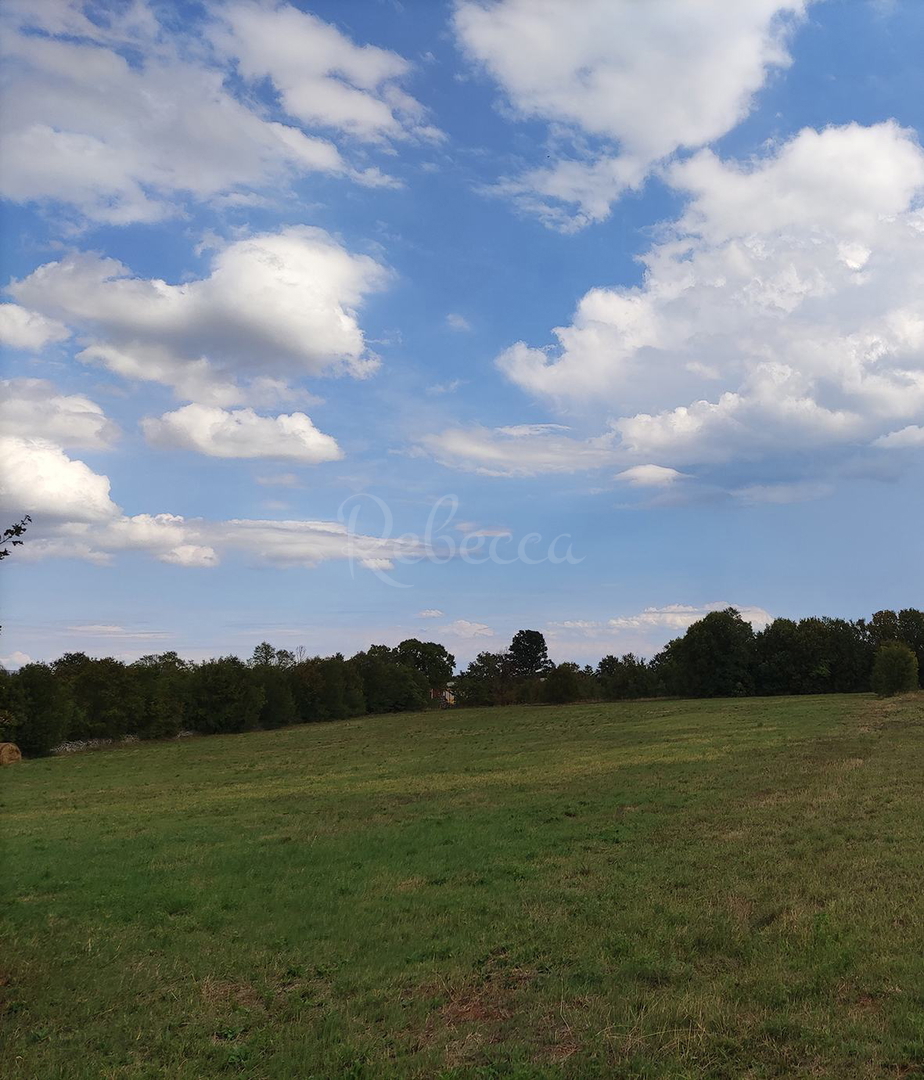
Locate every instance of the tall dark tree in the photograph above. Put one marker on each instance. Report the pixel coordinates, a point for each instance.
(850, 656)
(562, 684)
(224, 696)
(307, 689)
(46, 709)
(389, 684)
(10, 706)
(264, 655)
(911, 632)
(488, 680)
(778, 651)
(278, 708)
(620, 678)
(529, 654)
(105, 695)
(436, 664)
(161, 683)
(906, 626)
(327, 688)
(816, 656)
(272, 672)
(714, 658)
(895, 669)
(883, 627)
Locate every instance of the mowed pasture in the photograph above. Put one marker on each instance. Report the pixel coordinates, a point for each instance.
(655, 889)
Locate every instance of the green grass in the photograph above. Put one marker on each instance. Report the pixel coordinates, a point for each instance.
(659, 889)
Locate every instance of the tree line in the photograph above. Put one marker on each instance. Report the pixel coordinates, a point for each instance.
(79, 698)
(719, 656)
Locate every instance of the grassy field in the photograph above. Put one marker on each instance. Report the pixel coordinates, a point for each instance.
(659, 889)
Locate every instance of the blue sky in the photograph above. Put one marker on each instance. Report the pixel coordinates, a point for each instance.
(282, 279)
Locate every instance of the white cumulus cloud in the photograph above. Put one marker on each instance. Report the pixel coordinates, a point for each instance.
(16, 659)
(75, 517)
(780, 312)
(123, 118)
(643, 632)
(321, 76)
(274, 306)
(650, 476)
(912, 435)
(241, 433)
(34, 408)
(38, 478)
(23, 329)
(678, 617)
(188, 542)
(642, 79)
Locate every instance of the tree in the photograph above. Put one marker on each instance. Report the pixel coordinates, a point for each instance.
(105, 695)
(850, 656)
(431, 659)
(46, 709)
(488, 680)
(883, 627)
(307, 685)
(12, 536)
(907, 626)
(278, 708)
(264, 655)
(161, 683)
(562, 684)
(666, 670)
(911, 631)
(224, 696)
(528, 654)
(714, 658)
(813, 656)
(10, 706)
(389, 684)
(327, 688)
(624, 677)
(778, 658)
(895, 669)
(272, 672)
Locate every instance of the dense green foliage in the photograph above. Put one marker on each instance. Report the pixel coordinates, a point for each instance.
(13, 535)
(38, 695)
(79, 698)
(714, 658)
(718, 656)
(430, 659)
(895, 669)
(528, 654)
(662, 890)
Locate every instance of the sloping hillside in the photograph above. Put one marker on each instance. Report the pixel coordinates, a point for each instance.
(660, 889)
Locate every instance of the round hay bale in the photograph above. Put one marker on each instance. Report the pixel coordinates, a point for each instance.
(9, 752)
